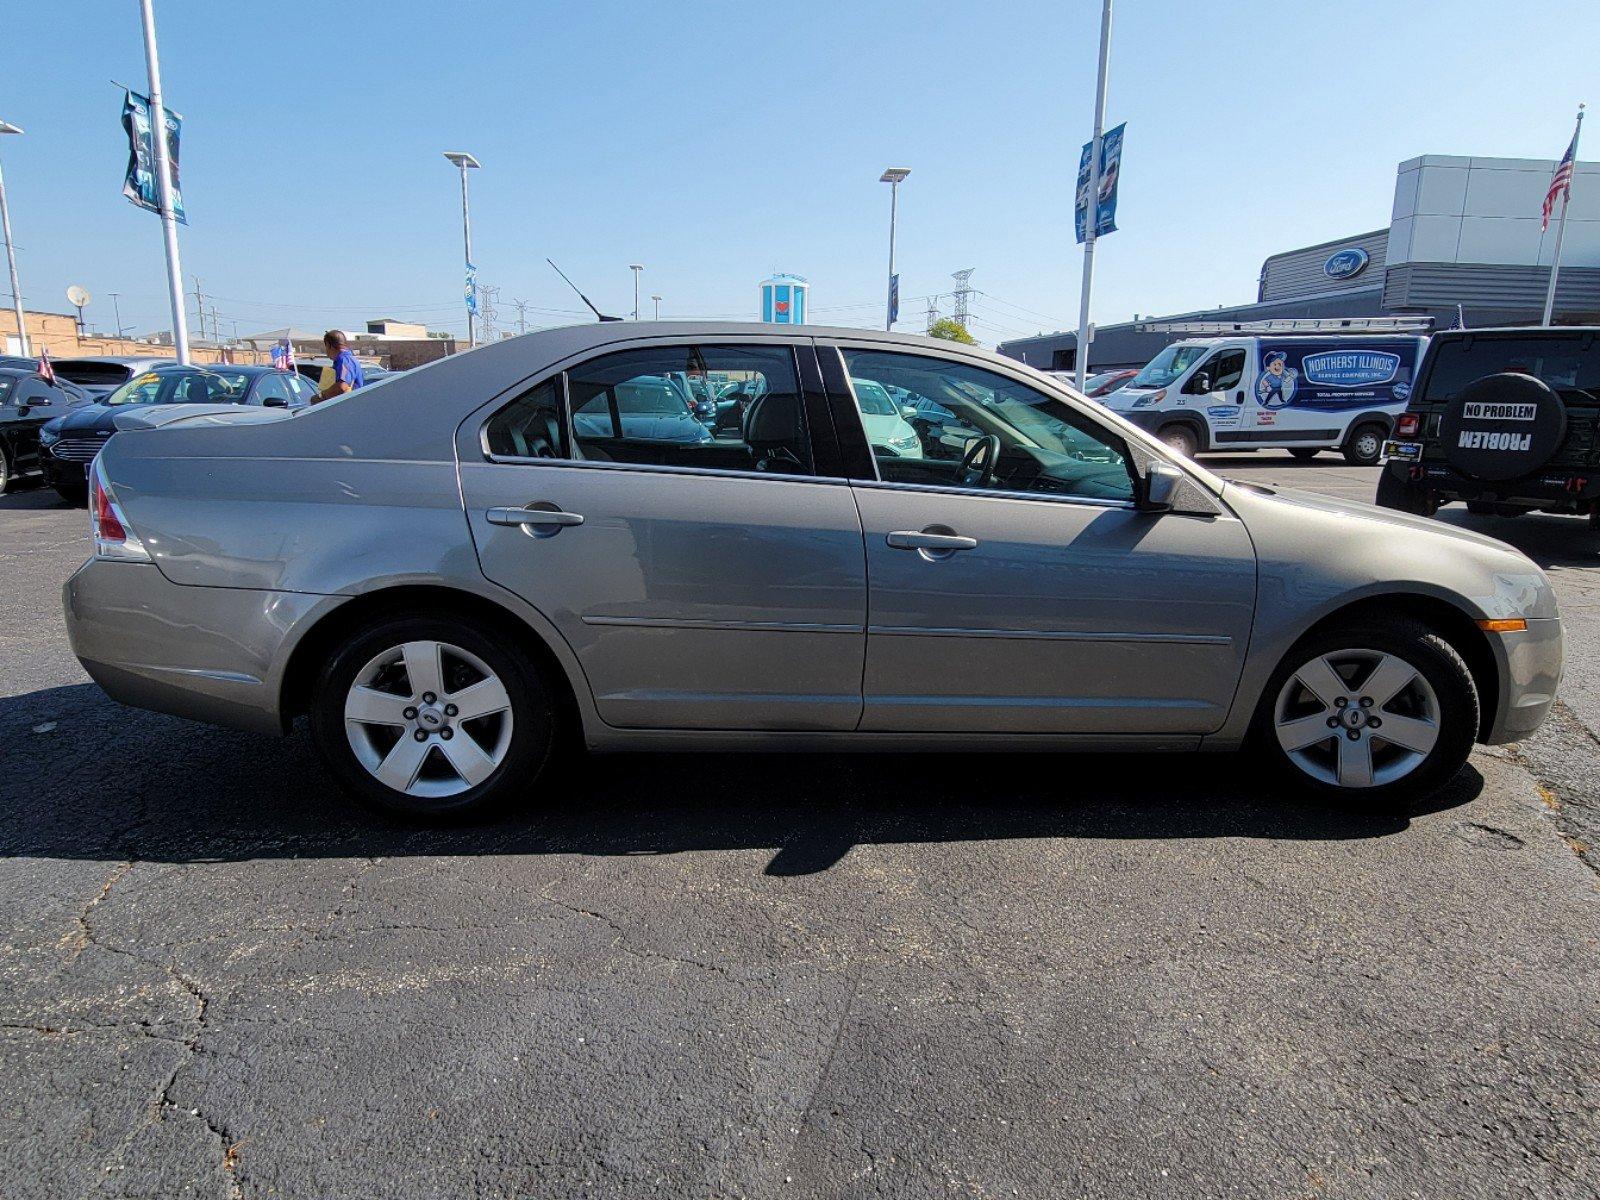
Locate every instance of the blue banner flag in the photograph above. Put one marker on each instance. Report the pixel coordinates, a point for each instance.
(139, 185)
(894, 298)
(1110, 170)
(472, 289)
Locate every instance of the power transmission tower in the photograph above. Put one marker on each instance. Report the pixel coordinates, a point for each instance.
(963, 291)
(522, 315)
(933, 312)
(488, 314)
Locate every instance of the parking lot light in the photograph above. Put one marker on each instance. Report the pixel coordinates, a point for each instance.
(11, 252)
(894, 177)
(465, 162)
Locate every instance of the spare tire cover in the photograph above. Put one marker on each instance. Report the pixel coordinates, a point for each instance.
(1503, 426)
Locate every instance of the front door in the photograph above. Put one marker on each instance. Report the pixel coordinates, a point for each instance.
(1013, 585)
(1217, 388)
(704, 580)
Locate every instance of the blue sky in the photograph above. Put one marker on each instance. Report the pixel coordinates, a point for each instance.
(718, 142)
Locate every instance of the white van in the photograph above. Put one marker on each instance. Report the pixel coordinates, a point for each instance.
(1304, 394)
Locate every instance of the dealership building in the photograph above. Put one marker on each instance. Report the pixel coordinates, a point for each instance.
(1463, 242)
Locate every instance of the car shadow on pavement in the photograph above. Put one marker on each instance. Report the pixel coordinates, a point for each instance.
(86, 778)
(31, 496)
(1550, 540)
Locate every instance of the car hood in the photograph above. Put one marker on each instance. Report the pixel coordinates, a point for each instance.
(85, 421)
(1371, 512)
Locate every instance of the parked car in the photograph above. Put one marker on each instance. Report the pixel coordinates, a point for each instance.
(1302, 393)
(102, 376)
(444, 605)
(888, 431)
(69, 444)
(648, 408)
(1097, 386)
(27, 402)
(1505, 419)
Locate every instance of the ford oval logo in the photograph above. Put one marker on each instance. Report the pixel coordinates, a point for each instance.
(1346, 264)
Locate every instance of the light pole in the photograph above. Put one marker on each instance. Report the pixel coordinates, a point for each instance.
(11, 252)
(657, 300)
(169, 220)
(635, 268)
(1091, 218)
(467, 163)
(894, 176)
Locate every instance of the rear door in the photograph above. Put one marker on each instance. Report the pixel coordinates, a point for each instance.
(1027, 594)
(704, 581)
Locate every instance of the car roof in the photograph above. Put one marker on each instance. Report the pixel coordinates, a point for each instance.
(117, 360)
(1520, 331)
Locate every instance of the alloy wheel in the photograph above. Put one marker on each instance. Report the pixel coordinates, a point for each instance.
(1357, 718)
(428, 719)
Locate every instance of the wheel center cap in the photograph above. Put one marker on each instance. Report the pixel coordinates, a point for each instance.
(430, 718)
(1353, 717)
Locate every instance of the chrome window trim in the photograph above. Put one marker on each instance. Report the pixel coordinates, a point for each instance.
(992, 493)
(656, 469)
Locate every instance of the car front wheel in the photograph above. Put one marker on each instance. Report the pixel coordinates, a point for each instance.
(1365, 446)
(1380, 713)
(432, 718)
(1181, 438)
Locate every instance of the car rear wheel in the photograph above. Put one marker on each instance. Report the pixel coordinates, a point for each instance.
(432, 718)
(1304, 453)
(1364, 446)
(1181, 438)
(1382, 713)
(5, 471)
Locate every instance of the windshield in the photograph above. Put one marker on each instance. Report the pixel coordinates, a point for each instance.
(182, 387)
(1167, 366)
(873, 399)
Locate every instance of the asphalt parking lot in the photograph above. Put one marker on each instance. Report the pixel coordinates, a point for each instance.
(761, 976)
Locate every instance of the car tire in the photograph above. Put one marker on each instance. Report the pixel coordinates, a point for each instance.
(1402, 495)
(5, 471)
(1181, 438)
(385, 719)
(1364, 446)
(1329, 711)
(1305, 453)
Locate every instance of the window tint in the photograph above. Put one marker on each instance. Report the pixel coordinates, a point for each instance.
(733, 408)
(1570, 365)
(1223, 371)
(530, 426)
(973, 428)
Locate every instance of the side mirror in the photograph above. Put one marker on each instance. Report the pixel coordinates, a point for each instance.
(1202, 384)
(1161, 483)
(274, 402)
(910, 412)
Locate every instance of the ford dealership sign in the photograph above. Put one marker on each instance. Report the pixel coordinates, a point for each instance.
(1346, 264)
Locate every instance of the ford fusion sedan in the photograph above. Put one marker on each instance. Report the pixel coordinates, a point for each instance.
(452, 572)
(68, 445)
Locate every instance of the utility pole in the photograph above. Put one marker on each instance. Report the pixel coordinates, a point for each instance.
(1570, 163)
(933, 312)
(169, 220)
(11, 253)
(657, 301)
(199, 306)
(1092, 216)
(116, 309)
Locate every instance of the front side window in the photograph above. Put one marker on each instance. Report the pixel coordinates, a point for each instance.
(730, 408)
(6, 384)
(1222, 372)
(972, 428)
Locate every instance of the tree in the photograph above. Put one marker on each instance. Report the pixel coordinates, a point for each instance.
(951, 332)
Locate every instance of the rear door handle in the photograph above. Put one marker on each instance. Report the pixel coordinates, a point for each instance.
(910, 539)
(540, 519)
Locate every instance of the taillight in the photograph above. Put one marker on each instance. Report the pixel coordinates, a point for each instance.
(112, 536)
(1408, 424)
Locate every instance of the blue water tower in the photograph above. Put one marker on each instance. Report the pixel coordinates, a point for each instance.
(783, 300)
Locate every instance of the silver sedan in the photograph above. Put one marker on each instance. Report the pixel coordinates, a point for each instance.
(450, 571)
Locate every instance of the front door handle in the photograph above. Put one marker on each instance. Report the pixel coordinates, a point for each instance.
(539, 519)
(933, 544)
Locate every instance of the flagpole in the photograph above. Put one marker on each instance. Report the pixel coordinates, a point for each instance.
(1092, 216)
(169, 222)
(1561, 226)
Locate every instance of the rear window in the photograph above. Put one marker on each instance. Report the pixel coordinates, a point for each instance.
(92, 372)
(1570, 365)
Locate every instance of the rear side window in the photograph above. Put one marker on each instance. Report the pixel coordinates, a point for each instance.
(1570, 365)
(731, 408)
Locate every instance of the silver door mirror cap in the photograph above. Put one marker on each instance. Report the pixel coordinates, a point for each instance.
(1161, 483)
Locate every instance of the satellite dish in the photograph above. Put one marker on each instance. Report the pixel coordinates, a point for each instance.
(77, 296)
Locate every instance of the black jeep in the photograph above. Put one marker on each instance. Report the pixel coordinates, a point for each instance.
(1505, 419)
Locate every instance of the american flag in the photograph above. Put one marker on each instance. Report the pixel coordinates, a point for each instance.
(1561, 181)
(283, 355)
(45, 371)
